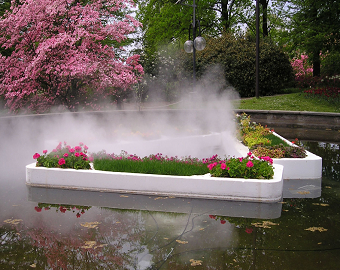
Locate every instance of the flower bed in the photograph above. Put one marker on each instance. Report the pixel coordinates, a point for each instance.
(203, 186)
(298, 163)
(232, 179)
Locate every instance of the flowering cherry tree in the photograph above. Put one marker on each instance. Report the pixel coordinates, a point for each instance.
(65, 53)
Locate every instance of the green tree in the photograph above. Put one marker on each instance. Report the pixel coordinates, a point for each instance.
(314, 28)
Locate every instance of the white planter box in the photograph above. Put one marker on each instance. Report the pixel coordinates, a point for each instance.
(309, 167)
(254, 190)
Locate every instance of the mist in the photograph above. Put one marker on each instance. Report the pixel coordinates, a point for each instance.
(203, 125)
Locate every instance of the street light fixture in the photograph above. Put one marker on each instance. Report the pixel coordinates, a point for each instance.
(197, 43)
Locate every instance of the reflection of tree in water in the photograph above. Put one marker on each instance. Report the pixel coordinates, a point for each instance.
(330, 153)
(107, 243)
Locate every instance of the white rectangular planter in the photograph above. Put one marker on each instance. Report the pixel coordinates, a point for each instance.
(309, 167)
(255, 190)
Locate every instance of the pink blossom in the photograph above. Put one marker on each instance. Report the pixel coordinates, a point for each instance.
(249, 230)
(65, 155)
(54, 51)
(61, 161)
(249, 154)
(71, 150)
(240, 159)
(223, 166)
(77, 148)
(36, 155)
(85, 147)
(38, 209)
(77, 154)
(45, 151)
(250, 164)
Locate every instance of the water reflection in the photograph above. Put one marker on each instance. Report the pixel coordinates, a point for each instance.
(59, 229)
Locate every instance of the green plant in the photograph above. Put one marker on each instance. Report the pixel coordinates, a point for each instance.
(247, 167)
(64, 157)
(264, 143)
(270, 152)
(237, 58)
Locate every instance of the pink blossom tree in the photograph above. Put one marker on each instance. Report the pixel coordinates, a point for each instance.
(65, 52)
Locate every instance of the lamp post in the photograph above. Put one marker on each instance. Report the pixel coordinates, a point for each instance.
(197, 43)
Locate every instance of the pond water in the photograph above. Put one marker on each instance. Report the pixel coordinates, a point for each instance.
(67, 229)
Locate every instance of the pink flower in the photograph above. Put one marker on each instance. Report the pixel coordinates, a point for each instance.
(212, 165)
(81, 144)
(38, 209)
(250, 164)
(77, 154)
(45, 151)
(249, 154)
(85, 147)
(36, 155)
(240, 159)
(65, 155)
(62, 209)
(77, 148)
(223, 166)
(228, 168)
(61, 161)
(249, 230)
(71, 150)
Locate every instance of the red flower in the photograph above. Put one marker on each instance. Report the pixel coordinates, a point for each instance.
(38, 209)
(78, 215)
(249, 230)
(223, 222)
(36, 155)
(61, 161)
(62, 209)
(212, 216)
(250, 164)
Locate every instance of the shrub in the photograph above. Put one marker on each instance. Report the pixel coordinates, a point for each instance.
(330, 65)
(237, 57)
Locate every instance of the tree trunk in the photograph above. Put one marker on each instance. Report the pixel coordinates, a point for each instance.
(224, 14)
(316, 63)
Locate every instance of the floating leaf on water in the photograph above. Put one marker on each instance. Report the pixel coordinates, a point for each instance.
(33, 265)
(13, 221)
(264, 224)
(303, 192)
(195, 262)
(201, 229)
(313, 229)
(90, 224)
(182, 242)
(89, 244)
(328, 187)
(321, 204)
(123, 196)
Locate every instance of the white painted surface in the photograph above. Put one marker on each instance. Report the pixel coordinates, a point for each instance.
(309, 167)
(256, 190)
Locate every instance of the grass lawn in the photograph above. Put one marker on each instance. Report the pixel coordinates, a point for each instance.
(288, 102)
